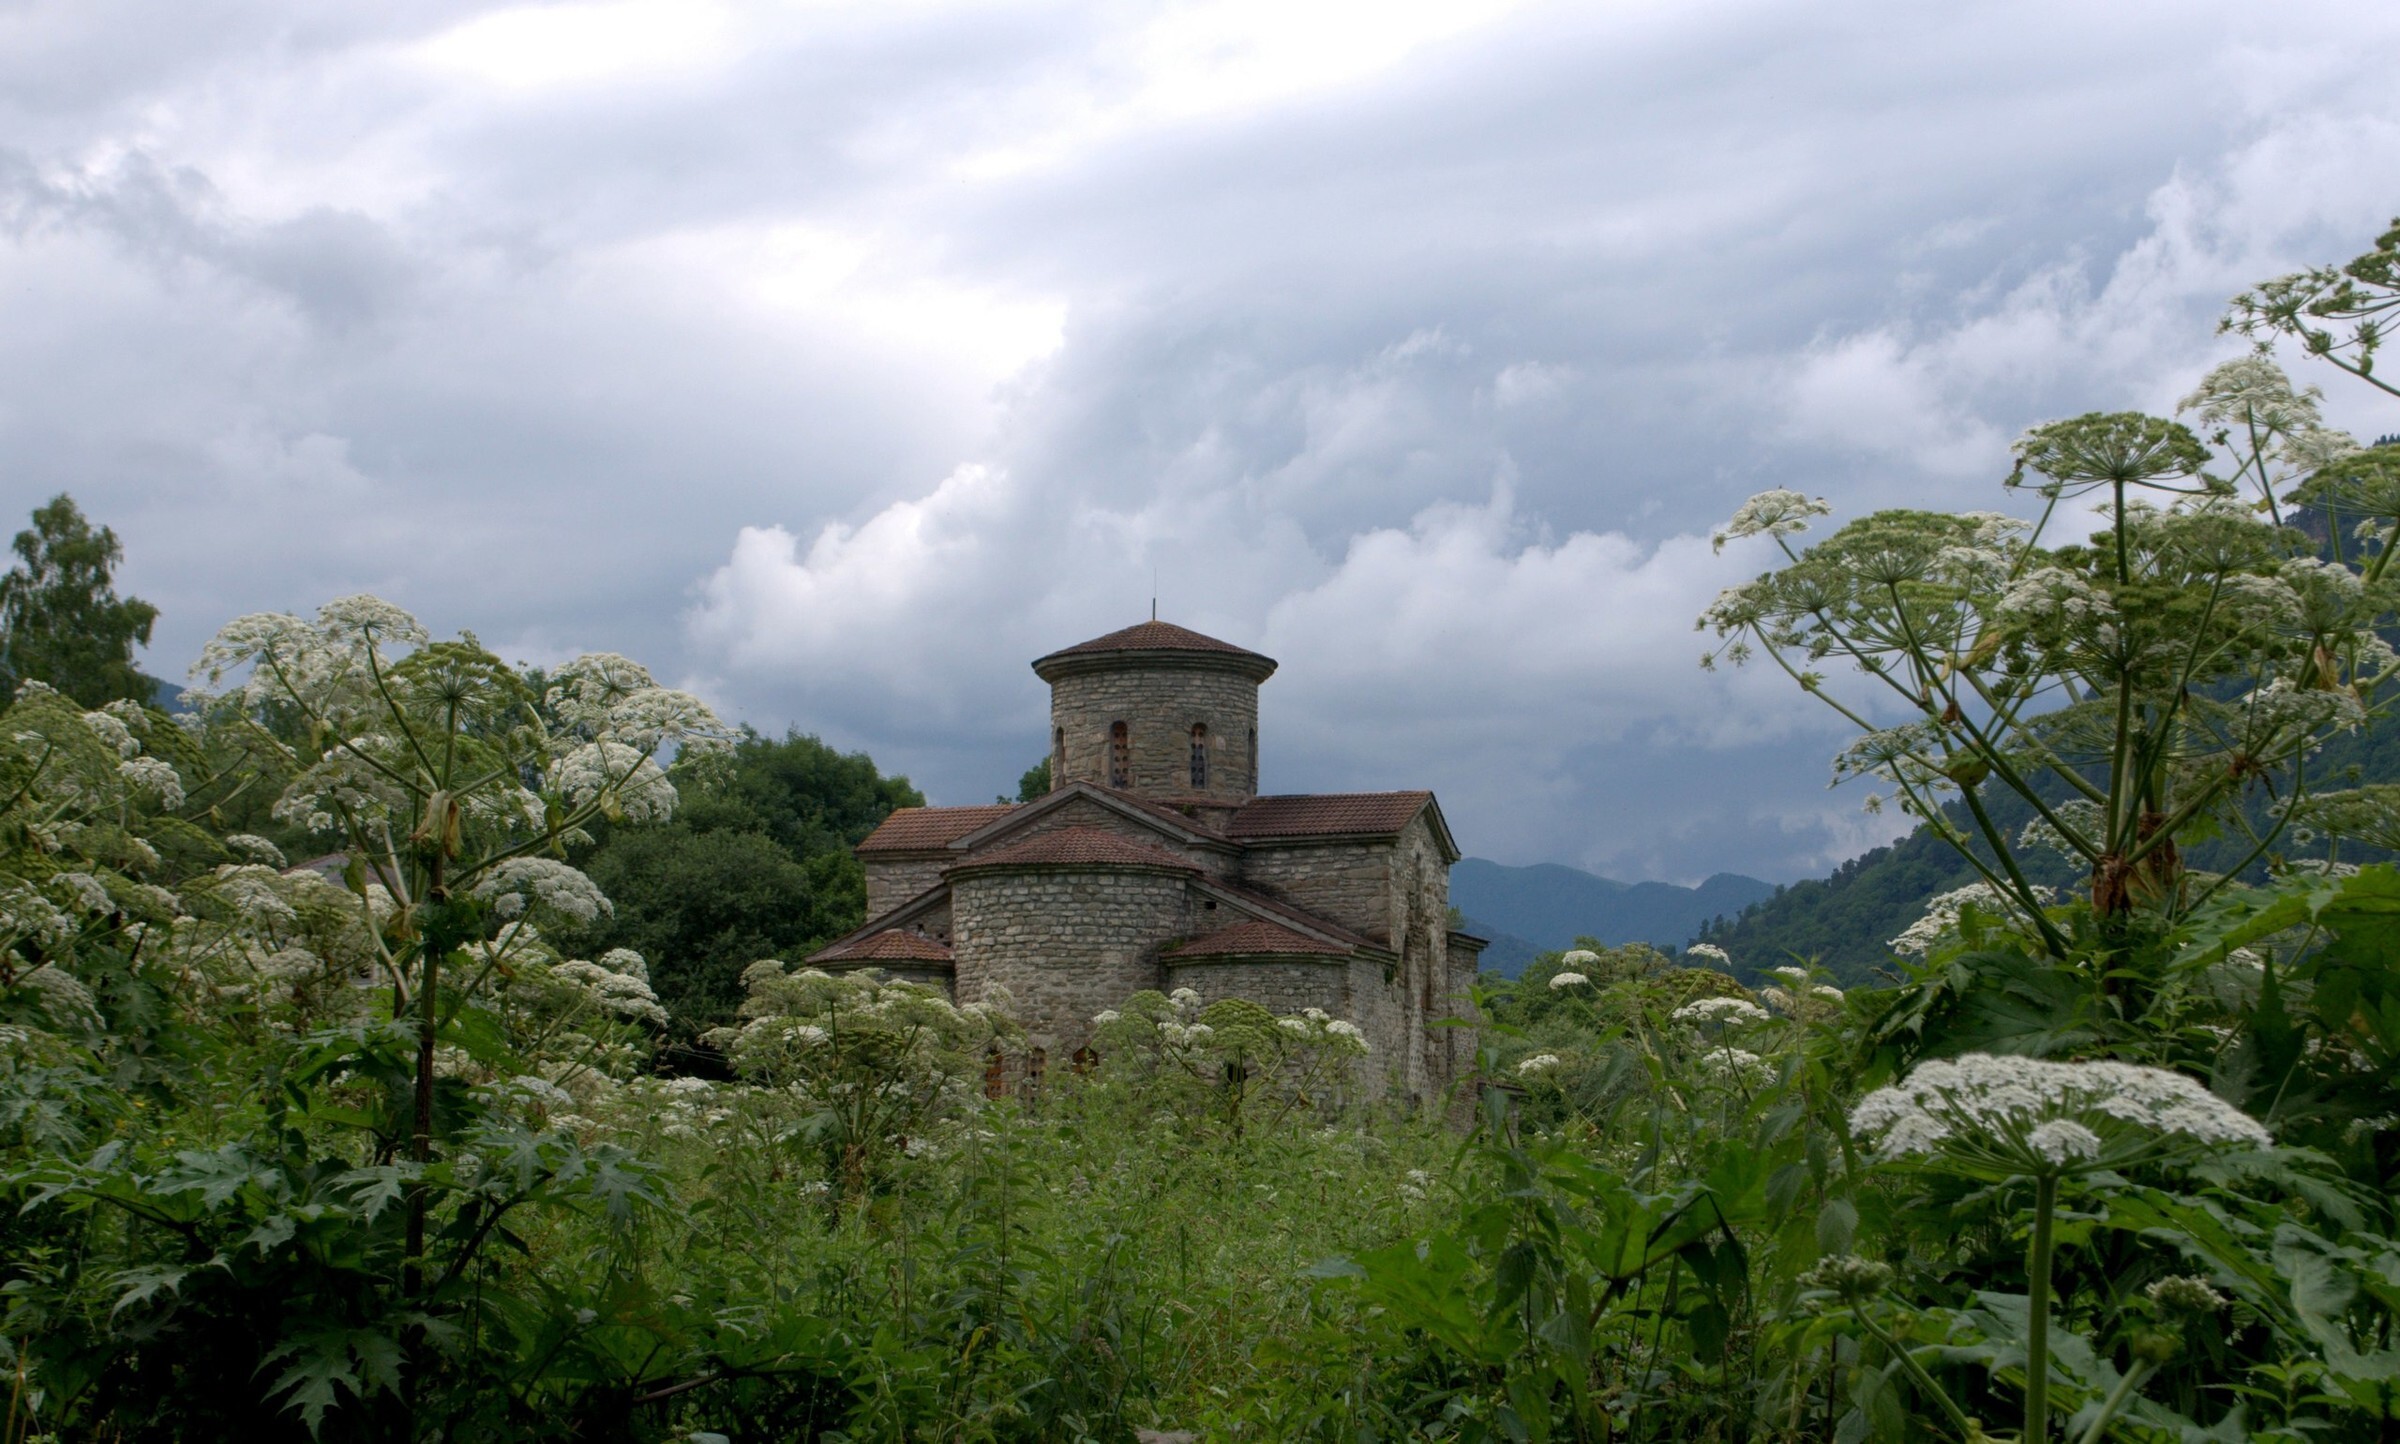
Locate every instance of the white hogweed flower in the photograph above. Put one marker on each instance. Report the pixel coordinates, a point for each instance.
(62, 998)
(256, 849)
(252, 890)
(363, 613)
(520, 881)
(625, 961)
(2316, 448)
(642, 791)
(1738, 1064)
(2048, 595)
(1720, 1010)
(1711, 952)
(654, 716)
(1538, 1064)
(1996, 1117)
(1579, 958)
(87, 891)
(153, 778)
(1776, 512)
(2064, 1141)
(1942, 914)
(1567, 980)
(113, 732)
(584, 691)
(2252, 390)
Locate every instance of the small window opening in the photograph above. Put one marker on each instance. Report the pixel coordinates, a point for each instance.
(1058, 758)
(1254, 759)
(995, 1075)
(1199, 754)
(1120, 756)
(1087, 1061)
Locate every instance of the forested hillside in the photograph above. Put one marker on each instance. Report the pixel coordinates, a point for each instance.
(1844, 922)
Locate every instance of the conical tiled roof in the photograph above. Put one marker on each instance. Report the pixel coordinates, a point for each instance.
(1157, 636)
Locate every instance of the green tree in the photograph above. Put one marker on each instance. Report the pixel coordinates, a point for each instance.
(1035, 784)
(61, 621)
(756, 864)
(797, 790)
(705, 905)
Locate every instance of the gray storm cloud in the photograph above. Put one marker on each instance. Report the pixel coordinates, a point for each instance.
(840, 358)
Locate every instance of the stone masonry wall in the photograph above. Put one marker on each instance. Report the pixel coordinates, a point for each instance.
(1158, 706)
(1375, 1003)
(1340, 881)
(1280, 985)
(891, 883)
(1065, 943)
(1292, 985)
(1420, 882)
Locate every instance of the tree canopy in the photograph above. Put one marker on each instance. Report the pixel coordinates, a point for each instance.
(756, 864)
(61, 620)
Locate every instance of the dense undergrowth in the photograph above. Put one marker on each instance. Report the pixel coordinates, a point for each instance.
(363, 1150)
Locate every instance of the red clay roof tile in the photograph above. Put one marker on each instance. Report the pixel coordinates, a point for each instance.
(890, 945)
(1253, 939)
(1328, 814)
(1076, 847)
(922, 829)
(1153, 636)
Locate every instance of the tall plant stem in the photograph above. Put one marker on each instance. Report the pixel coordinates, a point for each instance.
(2037, 1312)
(2117, 1399)
(420, 1141)
(1916, 1372)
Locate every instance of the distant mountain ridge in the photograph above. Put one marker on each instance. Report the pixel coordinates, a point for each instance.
(1528, 910)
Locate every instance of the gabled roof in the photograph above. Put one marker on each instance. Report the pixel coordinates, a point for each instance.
(1076, 847)
(890, 945)
(1259, 905)
(1336, 814)
(930, 829)
(930, 900)
(1163, 640)
(1257, 938)
(1136, 809)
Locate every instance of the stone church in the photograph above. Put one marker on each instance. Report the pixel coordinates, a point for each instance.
(1153, 862)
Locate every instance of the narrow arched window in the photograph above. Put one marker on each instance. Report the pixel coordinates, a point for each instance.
(1120, 756)
(1254, 759)
(1199, 754)
(1058, 758)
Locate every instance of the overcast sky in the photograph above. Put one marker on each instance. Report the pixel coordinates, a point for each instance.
(838, 359)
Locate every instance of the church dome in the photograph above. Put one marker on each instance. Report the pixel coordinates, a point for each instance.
(1157, 710)
(1154, 642)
